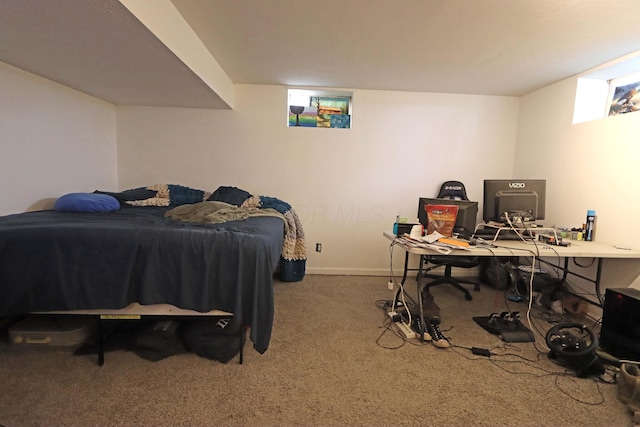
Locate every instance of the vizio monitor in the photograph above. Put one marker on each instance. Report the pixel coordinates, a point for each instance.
(467, 213)
(520, 199)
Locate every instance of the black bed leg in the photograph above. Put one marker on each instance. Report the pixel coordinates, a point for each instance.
(100, 343)
(243, 337)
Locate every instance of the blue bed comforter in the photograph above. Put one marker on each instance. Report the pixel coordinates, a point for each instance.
(53, 260)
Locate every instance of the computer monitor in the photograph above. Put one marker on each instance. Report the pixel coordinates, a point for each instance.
(467, 213)
(521, 199)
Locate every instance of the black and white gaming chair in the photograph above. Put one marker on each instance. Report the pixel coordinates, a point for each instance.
(451, 190)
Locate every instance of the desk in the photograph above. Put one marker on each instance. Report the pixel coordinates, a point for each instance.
(516, 248)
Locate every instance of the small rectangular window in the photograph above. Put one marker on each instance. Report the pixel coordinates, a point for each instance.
(608, 90)
(319, 108)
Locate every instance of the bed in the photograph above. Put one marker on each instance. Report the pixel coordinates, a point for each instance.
(144, 252)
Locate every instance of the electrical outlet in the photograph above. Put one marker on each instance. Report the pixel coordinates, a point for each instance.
(318, 247)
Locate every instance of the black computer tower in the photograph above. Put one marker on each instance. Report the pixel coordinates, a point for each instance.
(620, 332)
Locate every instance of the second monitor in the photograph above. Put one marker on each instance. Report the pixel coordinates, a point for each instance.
(467, 213)
(517, 198)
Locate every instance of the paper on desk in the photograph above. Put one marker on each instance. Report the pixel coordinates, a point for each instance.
(429, 238)
(424, 243)
(437, 241)
(438, 247)
(433, 237)
(451, 246)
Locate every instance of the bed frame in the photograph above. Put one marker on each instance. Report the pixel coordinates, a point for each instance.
(136, 311)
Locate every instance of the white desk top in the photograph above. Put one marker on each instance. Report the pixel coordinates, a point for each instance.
(579, 249)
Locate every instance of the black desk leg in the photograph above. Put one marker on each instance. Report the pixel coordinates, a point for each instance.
(566, 272)
(597, 282)
(423, 326)
(406, 267)
(404, 277)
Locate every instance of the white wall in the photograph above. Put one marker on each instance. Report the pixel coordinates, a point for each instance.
(54, 140)
(591, 165)
(346, 185)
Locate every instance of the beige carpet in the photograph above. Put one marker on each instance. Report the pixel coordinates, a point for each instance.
(331, 362)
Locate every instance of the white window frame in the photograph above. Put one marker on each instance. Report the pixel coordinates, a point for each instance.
(596, 87)
(303, 97)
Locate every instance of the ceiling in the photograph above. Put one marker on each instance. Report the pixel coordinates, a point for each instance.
(98, 47)
(484, 47)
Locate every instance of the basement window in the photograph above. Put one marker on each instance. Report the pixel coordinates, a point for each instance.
(609, 90)
(319, 108)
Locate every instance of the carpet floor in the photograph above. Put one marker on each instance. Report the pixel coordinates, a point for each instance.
(332, 361)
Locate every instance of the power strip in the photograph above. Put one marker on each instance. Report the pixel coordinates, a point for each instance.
(394, 316)
(406, 330)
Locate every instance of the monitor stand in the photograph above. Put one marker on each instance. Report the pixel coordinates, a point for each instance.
(494, 229)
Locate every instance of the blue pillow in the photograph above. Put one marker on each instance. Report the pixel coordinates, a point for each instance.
(274, 203)
(231, 195)
(87, 202)
(134, 194)
(181, 195)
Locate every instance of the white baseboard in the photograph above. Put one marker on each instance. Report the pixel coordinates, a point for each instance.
(462, 272)
(328, 271)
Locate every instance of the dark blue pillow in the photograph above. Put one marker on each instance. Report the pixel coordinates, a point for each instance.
(87, 202)
(139, 193)
(231, 195)
(181, 195)
(274, 203)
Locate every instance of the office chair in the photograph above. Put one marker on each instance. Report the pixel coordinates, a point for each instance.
(449, 190)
